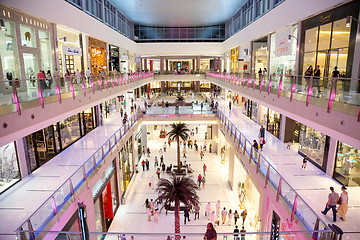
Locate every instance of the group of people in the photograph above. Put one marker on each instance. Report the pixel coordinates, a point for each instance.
(262, 141)
(334, 199)
(315, 73)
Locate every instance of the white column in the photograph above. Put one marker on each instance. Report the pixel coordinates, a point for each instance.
(21, 153)
(330, 166)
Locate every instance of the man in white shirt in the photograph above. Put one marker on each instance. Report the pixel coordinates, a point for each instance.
(77, 76)
(88, 75)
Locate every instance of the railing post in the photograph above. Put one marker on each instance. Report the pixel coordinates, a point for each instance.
(112, 83)
(106, 83)
(262, 82)
(309, 91)
(58, 92)
(258, 164)
(54, 206)
(92, 83)
(40, 93)
(94, 162)
(244, 147)
(249, 80)
(280, 85)
(293, 210)
(84, 173)
(100, 83)
(279, 190)
(254, 82)
(15, 97)
(267, 175)
(270, 83)
(72, 88)
(22, 234)
(71, 186)
(102, 152)
(244, 80)
(31, 229)
(83, 85)
(251, 153)
(332, 92)
(293, 88)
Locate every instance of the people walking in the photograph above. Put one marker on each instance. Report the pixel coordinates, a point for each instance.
(143, 164)
(236, 230)
(262, 132)
(158, 173)
(331, 203)
(230, 105)
(218, 208)
(147, 164)
(205, 146)
(208, 210)
(305, 159)
(236, 216)
(156, 162)
(316, 78)
(210, 232)
(201, 155)
(343, 203)
(243, 231)
(121, 112)
(262, 142)
(224, 215)
(203, 180)
(230, 216)
(204, 169)
(244, 215)
(156, 215)
(184, 153)
(186, 215)
(212, 217)
(148, 211)
(164, 146)
(196, 211)
(199, 179)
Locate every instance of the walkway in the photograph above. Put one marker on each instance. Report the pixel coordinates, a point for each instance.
(312, 184)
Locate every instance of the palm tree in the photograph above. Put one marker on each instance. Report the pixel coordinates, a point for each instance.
(178, 130)
(178, 189)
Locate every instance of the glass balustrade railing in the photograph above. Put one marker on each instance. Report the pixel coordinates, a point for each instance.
(19, 91)
(290, 235)
(303, 88)
(46, 212)
(272, 178)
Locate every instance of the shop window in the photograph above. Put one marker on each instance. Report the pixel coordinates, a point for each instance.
(324, 37)
(69, 130)
(341, 34)
(311, 36)
(347, 168)
(45, 50)
(28, 37)
(9, 54)
(9, 168)
(312, 144)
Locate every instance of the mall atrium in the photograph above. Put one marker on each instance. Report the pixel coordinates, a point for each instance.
(161, 119)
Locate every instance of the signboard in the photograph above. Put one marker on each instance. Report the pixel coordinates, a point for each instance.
(282, 44)
(275, 227)
(70, 50)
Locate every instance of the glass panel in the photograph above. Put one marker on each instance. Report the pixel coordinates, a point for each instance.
(69, 130)
(338, 58)
(45, 49)
(340, 34)
(311, 36)
(324, 37)
(28, 38)
(9, 169)
(31, 71)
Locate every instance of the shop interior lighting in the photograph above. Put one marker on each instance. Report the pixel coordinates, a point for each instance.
(2, 25)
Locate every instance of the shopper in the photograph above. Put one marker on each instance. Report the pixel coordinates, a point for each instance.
(163, 167)
(204, 169)
(88, 75)
(218, 208)
(236, 231)
(262, 132)
(164, 146)
(208, 210)
(224, 215)
(343, 203)
(308, 73)
(184, 153)
(210, 232)
(160, 152)
(148, 211)
(143, 164)
(199, 179)
(147, 164)
(186, 215)
(316, 78)
(230, 216)
(201, 155)
(121, 112)
(146, 203)
(196, 211)
(49, 79)
(244, 215)
(262, 142)
(205, 146)
(213, 217)
(305, 159)
(288, 145)
(203, 180)
(41, 80)
(196, 130)
(158, 173)
(156, 215)
(331, 203)
(243, 231)
(148, 152)
(236, 216)
(230, 105)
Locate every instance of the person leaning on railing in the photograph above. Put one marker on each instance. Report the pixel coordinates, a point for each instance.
(308, 74)
(41, 77)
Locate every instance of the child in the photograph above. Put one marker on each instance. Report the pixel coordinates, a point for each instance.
(288, 145)
(304, 162)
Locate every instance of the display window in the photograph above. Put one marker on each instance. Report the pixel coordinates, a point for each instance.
(98, 55)
(205, 65)
(155, 84)
(234, 60)
(9, 166)
(271, 120)
(284, 65)
(174, 84)
(126, 165)
(9, 55)
(88, 120)
(260, 53)
(347, 167)
(205, 84)
(45, 50)
(69, 130)
(28, 37)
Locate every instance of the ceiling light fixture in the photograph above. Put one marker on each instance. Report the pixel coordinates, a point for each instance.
(2, 23)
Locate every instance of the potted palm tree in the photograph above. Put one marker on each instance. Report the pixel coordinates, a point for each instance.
(178, 131)
(177, 190)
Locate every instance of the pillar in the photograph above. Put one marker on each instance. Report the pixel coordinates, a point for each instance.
(99, 115)
(161, 65)
(282, 128)
(21, 153)
(215, 138)
(151, 65)
(197, 86)
(145, 65)
(198, 63)
(331, 158)
(141, 65)
(167, 65)
(193, 64)
(144, 135)
(355, 74)
(162, 83)
(231, 168)
(117, 104)
(287, 129)
(219, 65)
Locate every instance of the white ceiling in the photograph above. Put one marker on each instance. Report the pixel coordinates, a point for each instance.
(178, 13)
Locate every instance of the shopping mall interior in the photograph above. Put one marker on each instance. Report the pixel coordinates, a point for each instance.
(268, 93)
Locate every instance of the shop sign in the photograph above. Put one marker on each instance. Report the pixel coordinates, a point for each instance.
(70, 50)
(282, 45)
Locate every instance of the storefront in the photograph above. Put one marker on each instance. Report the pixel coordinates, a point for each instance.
(137, 139)
(312, 144)
(328, 40)
(70, 50)
(234, 60)
(248, 196)
(97, 56)
(126, 165)
(250, 109)
(260, 55)
(271, 120)
(204, 65)
(9, 166)
(106, 199)
(283, 51)
(347, 165)
(108, 108)
(46, 143)
(205, 86)
(114, 61)
(25, 49)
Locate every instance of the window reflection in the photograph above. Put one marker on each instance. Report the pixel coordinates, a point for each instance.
(69, 130)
